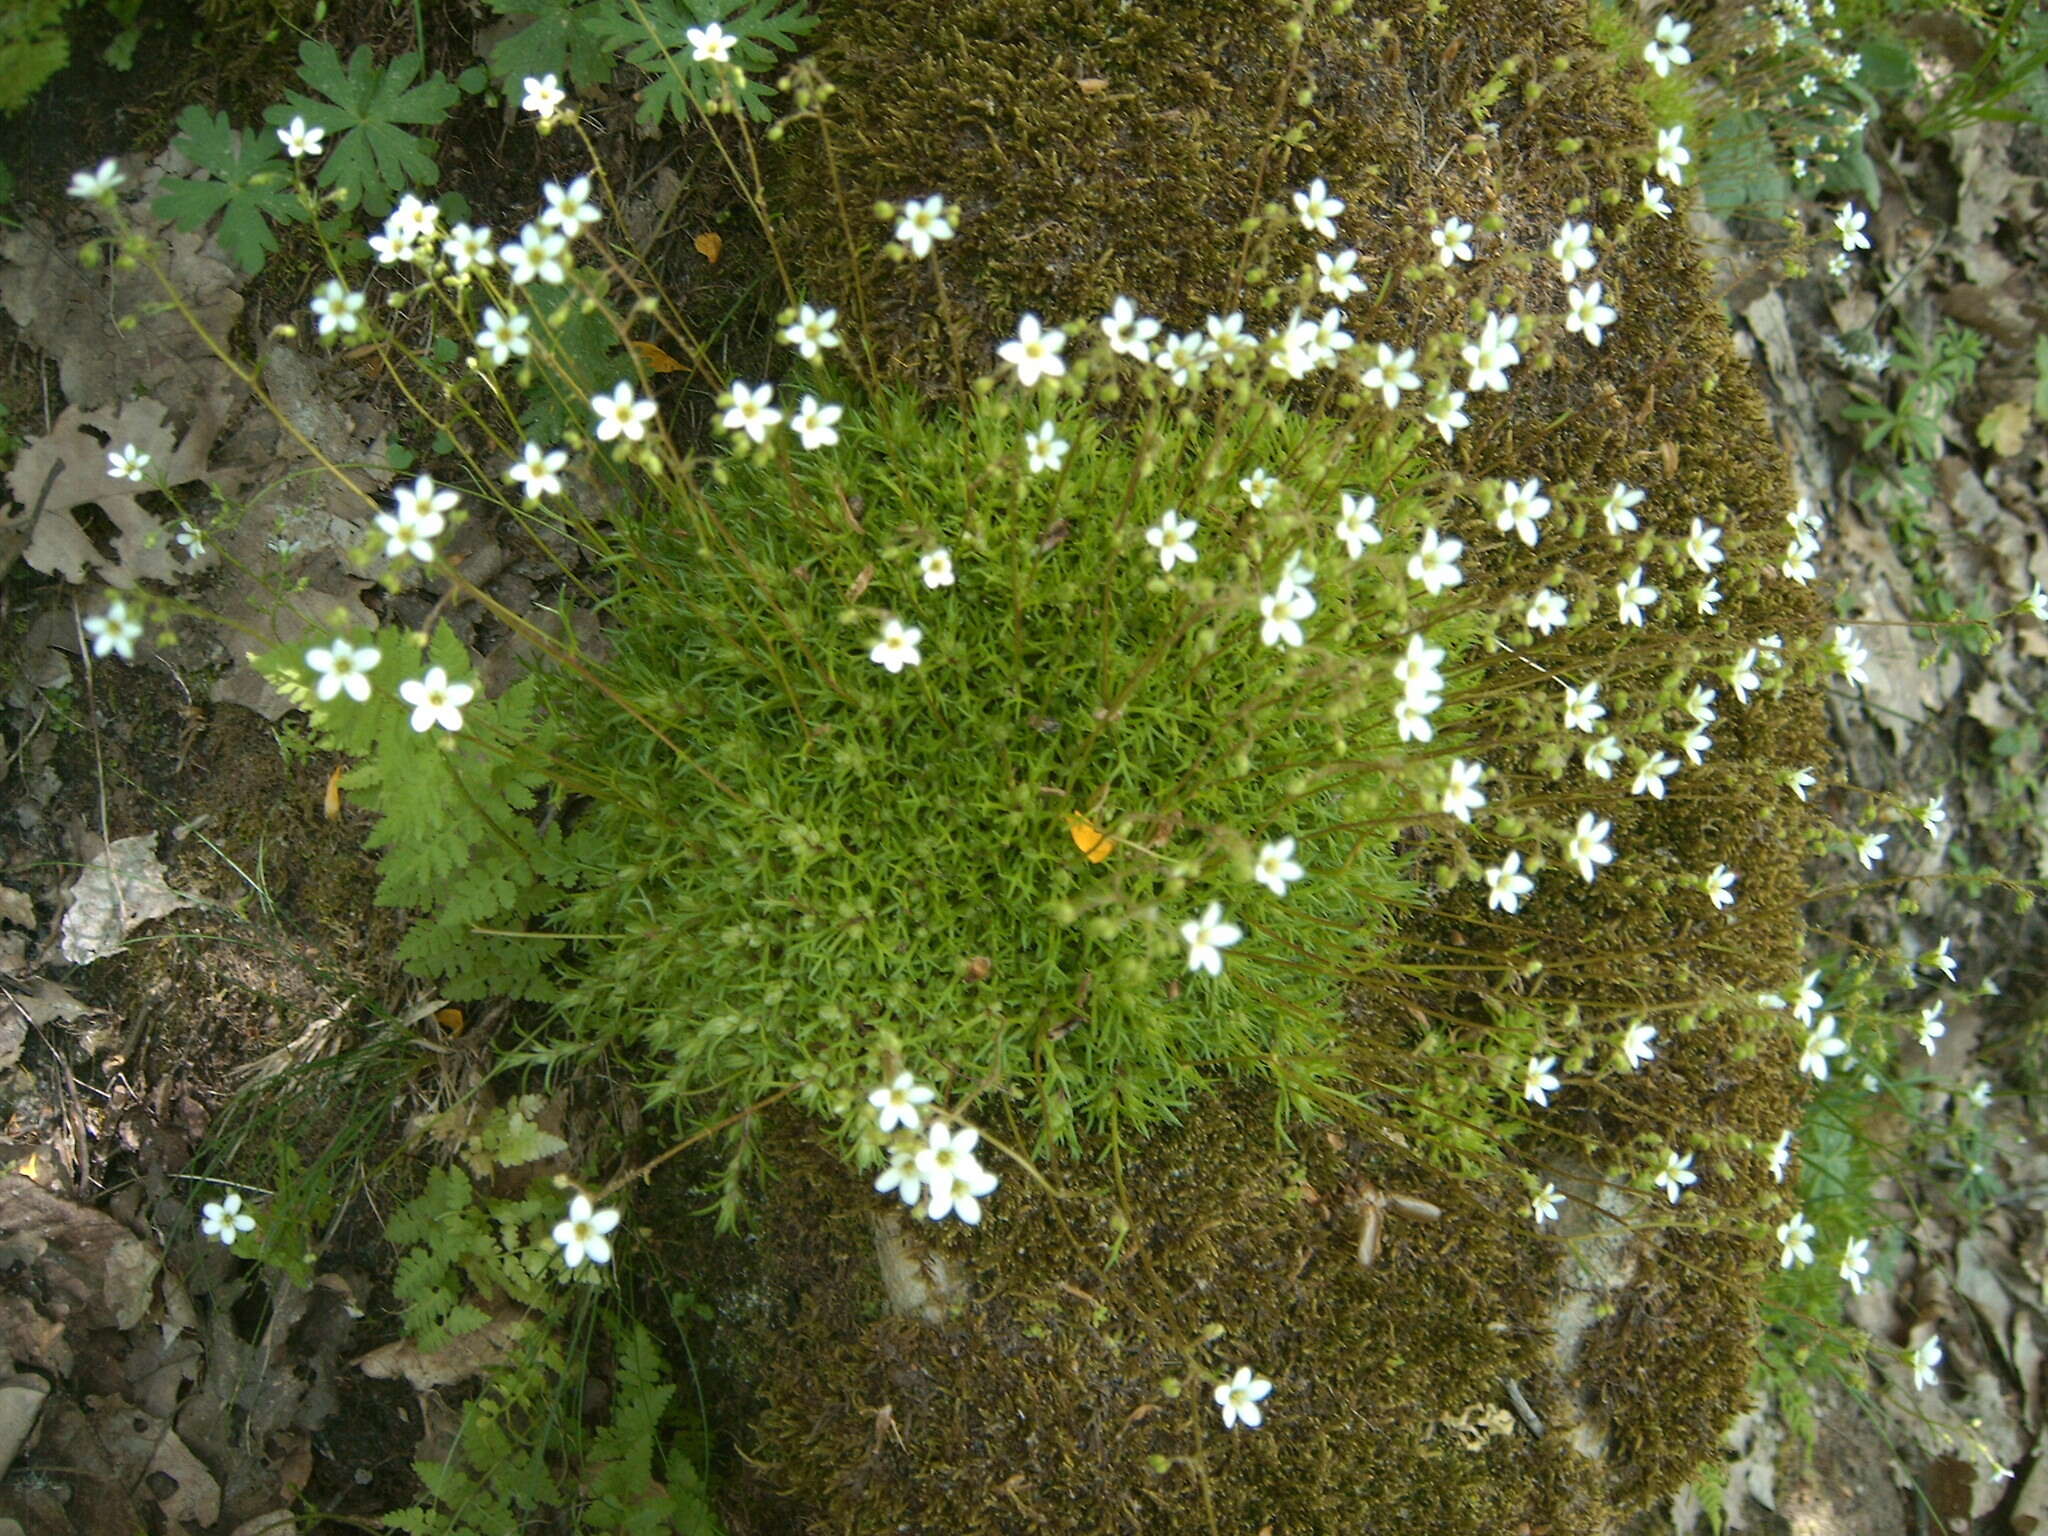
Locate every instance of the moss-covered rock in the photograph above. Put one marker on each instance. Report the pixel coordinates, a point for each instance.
(1106, 147)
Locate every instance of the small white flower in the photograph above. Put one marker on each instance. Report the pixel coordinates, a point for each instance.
(1601, 756)
(585, 1235)
(1744, 678)
(1855, 1263)
(1239, 1397)
(1822, 1046)
(1932, 813)
(1044, 448)
(1258, 487)
(1672, 155)
(1720, 886)
(1668, 46)
(1585, 315)
(128, 463)
(1493, 353)
(504, 336)
(1544, 1202)
(1849, 224)
(711, 45)
(1548, 612)
(114, 631)
(936, 567)
(2035, 603)
(1540, 1080)
(1411, 718)
(1931, 1026)
(901, 1175)
(1281, 612)
(1462, 795)
(1522, 506)
(544, 96)
(811, 332)
(191, 540)
(1588, 847)
(1582, 707)
(1676, 1176)
(1035, 352)
(539, 471)
(1506, 885)
(469, 246)
(1446, 412)
(1275, 868)
(1942, 959)
(1317, 210)
(1632, 595)
(1129, 334)
(343, 668)
(1207, 937)
(1173, 536)
(1980, 1094)
(898, 1104)
(752, 411)
(897, 648)
(1707, 598)
(337, 309)
(1869, 847)
(1619, 510)
(299, 140)
(1391, 373)
(225, 1219)
(1925, 1358)
(97, 186)
(1703, 546)
(1572, 250)
(1781, 1156)
(922, 223)
(1338, 275)
(815, 425)
(1452, 240)
(536, 257)
(1435, 563)
(436, 700)
(1651, 774)
(1355, 526)
(1795, 1241)
(1848, 655)
(1809, 1001)
(953, 1174)
(1653, 200)
(569, 208)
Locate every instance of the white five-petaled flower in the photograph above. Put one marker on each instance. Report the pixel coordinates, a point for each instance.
(1585, 315)
(1651, 774)
(1173, 536)
(1932, 813)
(898, 1104)
(2035, 603)
(585, 1234)
(1703, 546)
(1619, 510)
(1672, 155)
(1869, 847)
(1925, 1358)
(1337, 274)
(1355, 526)
(1446, 412)
(343, 668)
(1435, 562)
(127, 463)
(1129, 333)
(1781, 1156)
(191, 540)
(1453, 241)
(1417, 672)
(1667, 47)
(1795, 1241)
(953, 1175)
(225, 1219)
(1849, 224)
(536, 257)
(1941, 958)
(1540, 1080)
(1676, 1176)
(1462, 794)
(1855, 1263)
(467, 246)
(1720, 886)
(624, 414)
(569, 208)
(922, 223)
(1543, 1203)
(1601, 756)
(1239, 1398)
(711, 44)
(1317, 210)
(750, 410)
(1931, 1026)
(504, 336)
(299, 140)
(1506, 885)
(1582, 707)
(811, 331)
(1522, 506)
(1044, 448)
(897, 648)
(936, 567)
(1258, 487)
(1493, 353)
(114, 631)
(1281, 612)
(544, 96)
(1547, 613)
(337, 308)
(1207, 937)
(1653, 200)
(1822, 1046)
(539, 471)
(1632, 595)
(1848, 655)
(1588, 847)
(1809, 1000)
(1572, 250)
(436, 699)
(1034, 352)
(815, 425)
(1639, 1044)
(1276, 868)
(1390, 373)
(97, 185)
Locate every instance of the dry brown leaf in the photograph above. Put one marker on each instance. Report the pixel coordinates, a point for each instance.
(121, 888)
(465, 1355)
(655, 360)
(710, 246)
(87, 1265)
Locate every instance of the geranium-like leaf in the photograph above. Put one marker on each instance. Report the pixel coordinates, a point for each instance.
(369, 113)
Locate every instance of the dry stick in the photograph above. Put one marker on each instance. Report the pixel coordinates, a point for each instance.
(641, 1172)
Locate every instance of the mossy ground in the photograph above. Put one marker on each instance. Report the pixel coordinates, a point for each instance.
(1073, 194)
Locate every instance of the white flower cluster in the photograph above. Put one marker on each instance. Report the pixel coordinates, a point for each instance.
(939, 1170)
